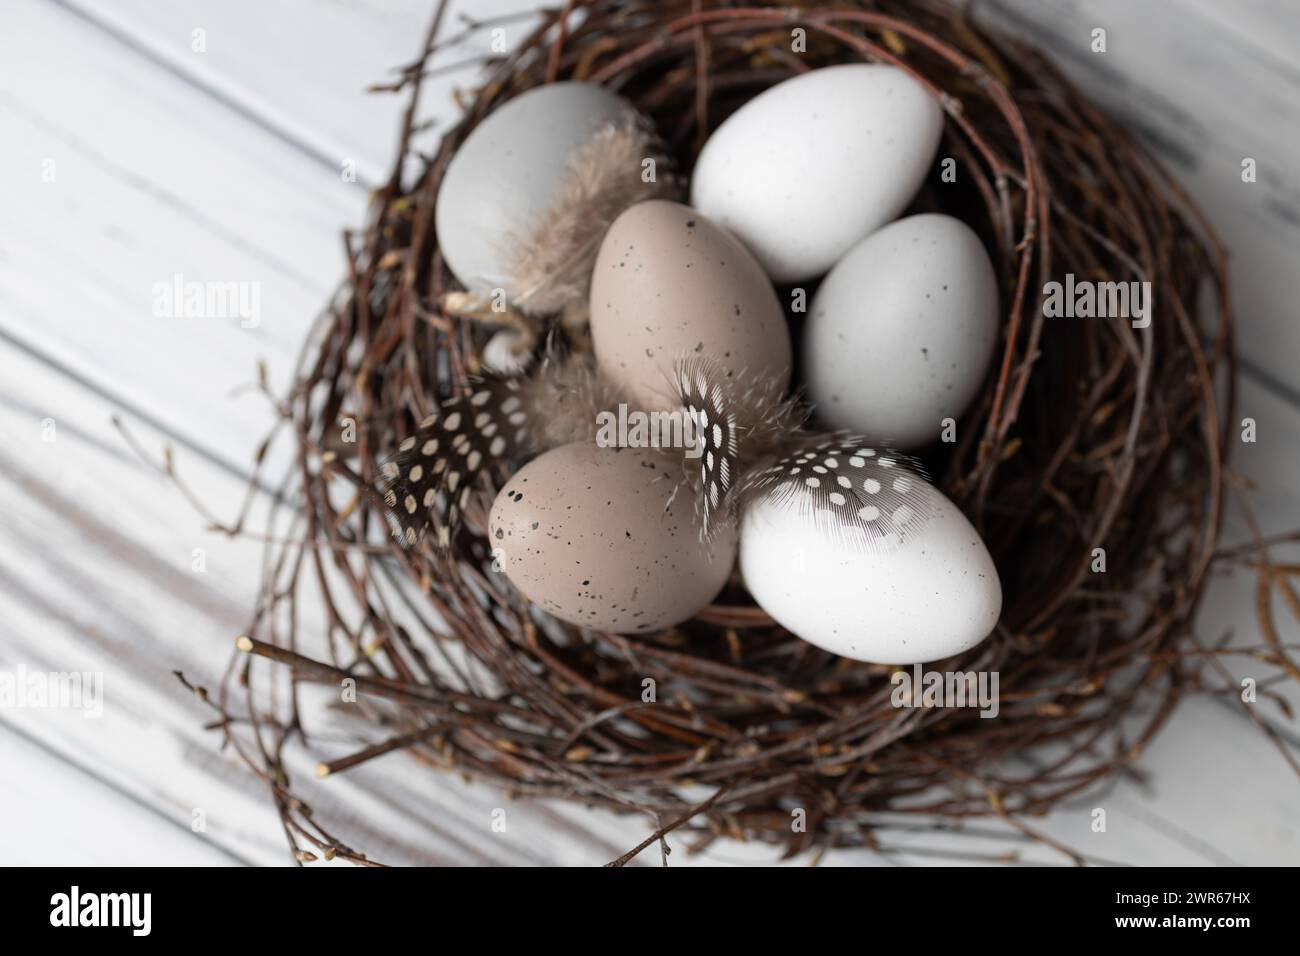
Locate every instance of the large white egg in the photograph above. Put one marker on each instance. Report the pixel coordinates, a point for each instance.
(807, 168)
(921, 595)
(900, 334)
(508, 171)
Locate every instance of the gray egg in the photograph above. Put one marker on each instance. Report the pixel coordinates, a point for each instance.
(901, 332)
(507, 172)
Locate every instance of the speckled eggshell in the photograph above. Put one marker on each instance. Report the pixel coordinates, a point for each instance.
(582, 532)
(508, 171)
(669, 283)
(935, 595)
(807, 168)
(900, 334)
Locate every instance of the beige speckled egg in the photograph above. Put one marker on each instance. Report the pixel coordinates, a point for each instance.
(669, 283)
(582, 532)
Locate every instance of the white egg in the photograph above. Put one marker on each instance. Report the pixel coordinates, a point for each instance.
(807, 168)
(932, 595)
(900, 334)
(508, 171)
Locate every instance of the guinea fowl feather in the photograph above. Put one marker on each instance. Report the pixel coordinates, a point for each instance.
(453, 454)
(740, 417)
(855, 490)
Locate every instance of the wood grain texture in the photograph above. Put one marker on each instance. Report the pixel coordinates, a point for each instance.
(153, 182)
(301, 69)
(227, 169)
(52, 811)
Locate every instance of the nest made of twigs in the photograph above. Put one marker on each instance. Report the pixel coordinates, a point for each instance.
(1088, 434)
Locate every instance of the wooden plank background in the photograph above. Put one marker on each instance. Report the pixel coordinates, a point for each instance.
(225, 164)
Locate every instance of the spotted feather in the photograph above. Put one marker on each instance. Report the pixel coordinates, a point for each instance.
(858, 493)
(714, 417)
(428, 482)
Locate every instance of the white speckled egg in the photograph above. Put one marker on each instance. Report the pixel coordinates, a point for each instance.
(507, 173)
(900, 334)
(931, 596)
(582, 531)
(669, 283)
(807, 168)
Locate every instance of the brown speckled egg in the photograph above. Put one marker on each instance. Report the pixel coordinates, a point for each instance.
(669, 283)
(582, 532)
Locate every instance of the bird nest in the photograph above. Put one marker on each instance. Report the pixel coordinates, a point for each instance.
(1092, 445)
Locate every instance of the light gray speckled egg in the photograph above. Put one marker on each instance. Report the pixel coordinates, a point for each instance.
(900, 334)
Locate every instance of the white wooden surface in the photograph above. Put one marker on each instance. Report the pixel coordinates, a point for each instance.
(225, 165)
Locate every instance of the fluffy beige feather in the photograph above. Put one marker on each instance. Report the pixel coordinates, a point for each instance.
(565, 396)
(552, 263)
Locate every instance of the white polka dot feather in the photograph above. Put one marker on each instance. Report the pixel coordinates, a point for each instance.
(859, 494)
(429, 481)
(715, 426)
